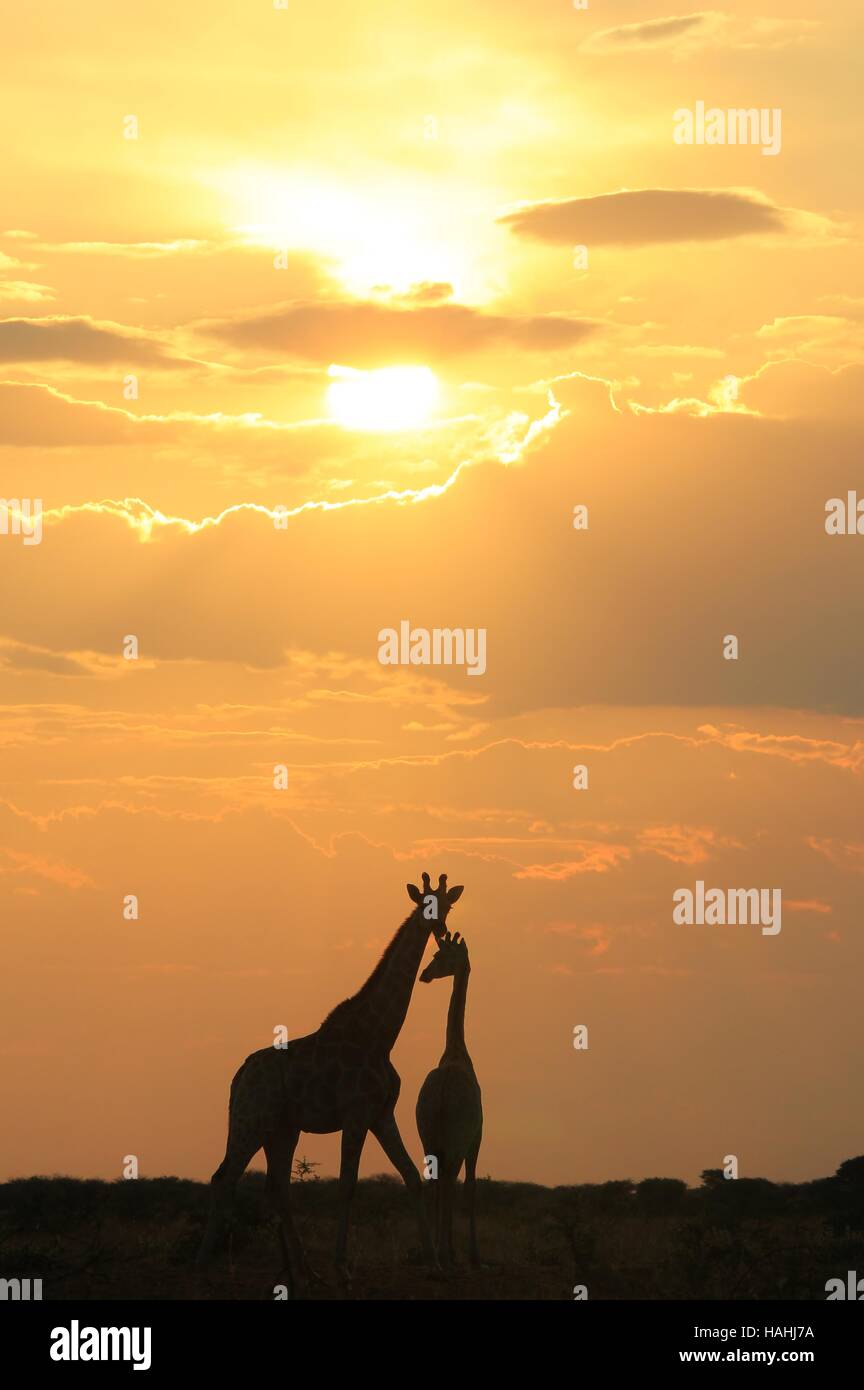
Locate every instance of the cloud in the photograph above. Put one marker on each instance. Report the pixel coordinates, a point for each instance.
(794, 748)
(842, 855)
(25, 292)
(367, 334)
(688, 34)
(39, 866)
(82, 340)
(22, 656)
(38, 415)
(793, 389)
(134, 250)
(597, 858)
(642, 552)
(686, 350)
(792, 327)
(832, 337)
(32, 413)
(428, 292)
(11, 263)
(787, 388)
(597, 937)
(653, 33)
(650, 216)
(250, 458)
(681, 844)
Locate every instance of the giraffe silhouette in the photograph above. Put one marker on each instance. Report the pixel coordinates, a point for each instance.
(449, 1106)
(338, 1078)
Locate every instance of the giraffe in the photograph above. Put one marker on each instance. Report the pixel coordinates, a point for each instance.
(449, 1106)
(338, 1078)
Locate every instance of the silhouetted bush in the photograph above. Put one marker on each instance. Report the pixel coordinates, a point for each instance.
(743, 1238)
(742, 1199)
(846, 1196)
(660, 1196)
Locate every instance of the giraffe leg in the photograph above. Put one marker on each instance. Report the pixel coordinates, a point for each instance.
(440, 1218)
(448, 1189)
(279, 1150)
(388, 1136)
(353, 1139)
(471, 1199)
(436, 1216)
(223, 1185)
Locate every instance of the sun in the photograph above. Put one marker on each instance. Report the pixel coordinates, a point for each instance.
(389, 398)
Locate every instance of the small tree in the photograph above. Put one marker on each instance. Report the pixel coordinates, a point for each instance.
(847, 1197)
(712, 1178)
(851, 1173)
(614, 1198)
(660, 1196)
(304, 1171)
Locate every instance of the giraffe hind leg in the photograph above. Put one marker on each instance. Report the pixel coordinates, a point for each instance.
(279, 1150)
(223, 1185)
(446, 1252)
(471, 1201)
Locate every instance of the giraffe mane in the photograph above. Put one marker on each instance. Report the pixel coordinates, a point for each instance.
(344, 1009)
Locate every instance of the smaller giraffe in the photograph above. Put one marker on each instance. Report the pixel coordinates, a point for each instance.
(449, 1106)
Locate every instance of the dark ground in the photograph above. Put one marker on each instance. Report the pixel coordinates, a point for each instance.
(745, 1239)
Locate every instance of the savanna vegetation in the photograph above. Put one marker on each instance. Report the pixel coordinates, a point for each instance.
(656, 1239)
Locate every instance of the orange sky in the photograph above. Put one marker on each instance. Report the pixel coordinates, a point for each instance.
(189, 321)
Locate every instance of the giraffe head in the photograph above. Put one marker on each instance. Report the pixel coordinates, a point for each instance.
(433, 904)
(449, 959)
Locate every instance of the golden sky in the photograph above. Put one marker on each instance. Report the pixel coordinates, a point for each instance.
(297, 342)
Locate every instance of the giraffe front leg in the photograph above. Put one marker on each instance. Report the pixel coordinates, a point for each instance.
(388, 1136)
(353, 1139)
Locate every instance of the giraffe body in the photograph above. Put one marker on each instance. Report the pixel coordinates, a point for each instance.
(450, 1114)
(337, 1078)
(312, 1082)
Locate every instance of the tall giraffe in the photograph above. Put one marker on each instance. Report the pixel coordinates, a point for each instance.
(449, 1106)
(338, 1078)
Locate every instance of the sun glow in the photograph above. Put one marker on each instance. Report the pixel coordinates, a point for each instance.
(389, 398)
(383, 240)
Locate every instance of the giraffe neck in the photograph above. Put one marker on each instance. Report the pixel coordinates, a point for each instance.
(377, 1012)
(455, 1044)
